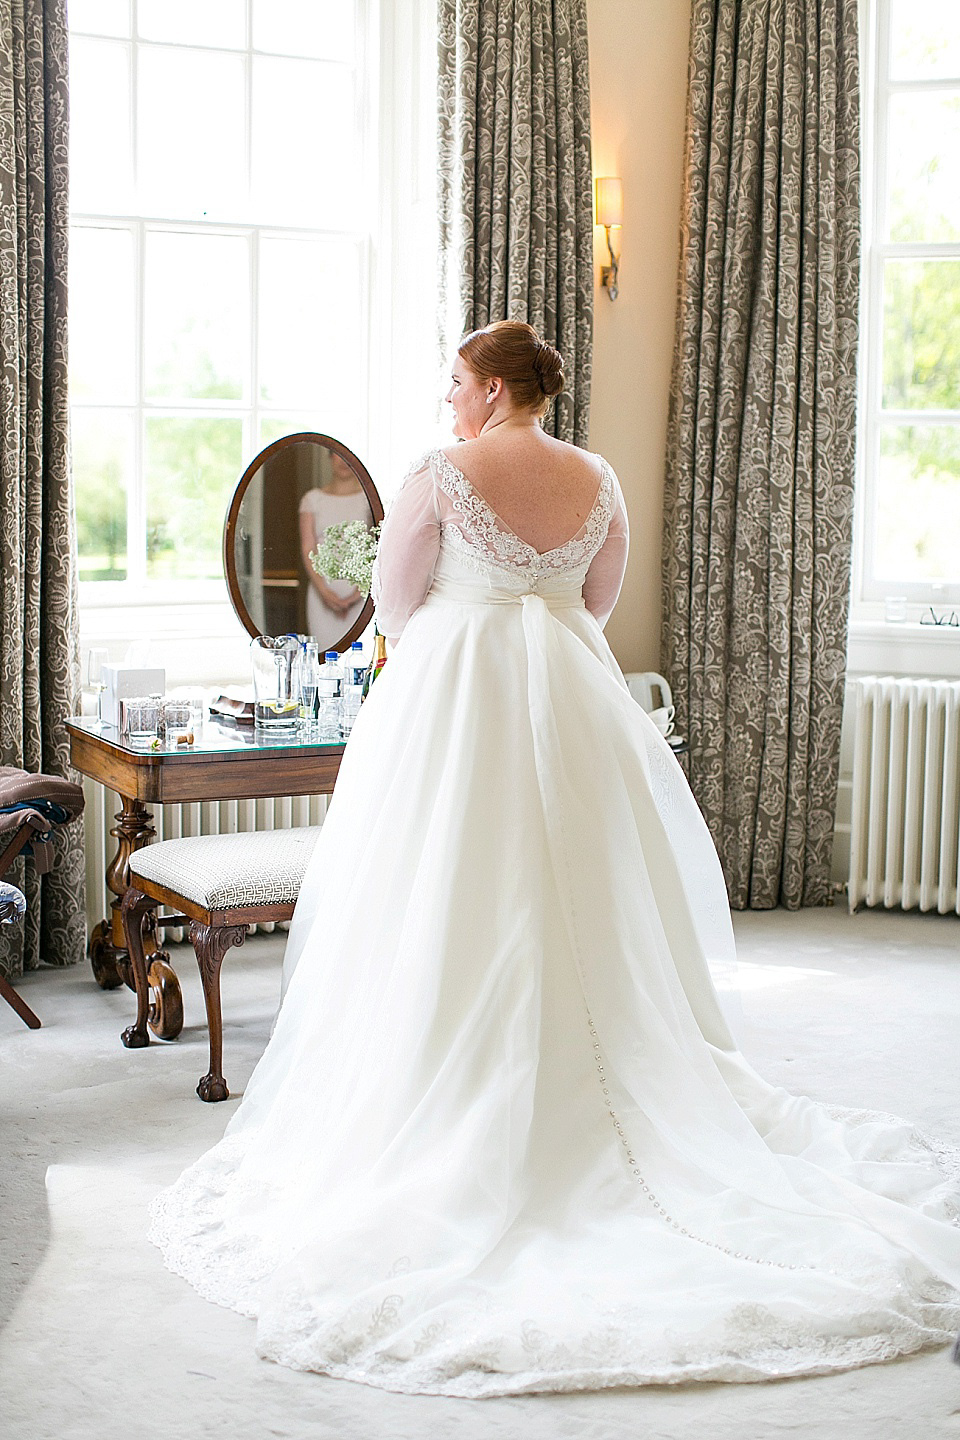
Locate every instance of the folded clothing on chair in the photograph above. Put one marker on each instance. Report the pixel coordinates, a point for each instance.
(43, 801)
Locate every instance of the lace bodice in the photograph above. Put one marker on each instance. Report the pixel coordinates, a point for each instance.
(477, 528)
(439, 522)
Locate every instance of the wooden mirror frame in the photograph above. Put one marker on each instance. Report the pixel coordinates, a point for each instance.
(326, 442)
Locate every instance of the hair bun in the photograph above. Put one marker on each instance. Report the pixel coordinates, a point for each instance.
(511, 350)
(549, 367)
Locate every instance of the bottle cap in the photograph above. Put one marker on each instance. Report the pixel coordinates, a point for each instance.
(331, 655)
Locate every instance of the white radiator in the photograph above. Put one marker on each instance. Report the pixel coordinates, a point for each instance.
(218, 817)
(905, 821)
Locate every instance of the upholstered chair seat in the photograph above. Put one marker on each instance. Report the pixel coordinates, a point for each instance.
(223, 884)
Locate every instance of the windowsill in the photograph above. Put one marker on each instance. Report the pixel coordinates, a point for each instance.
(196, 642)
(886, 647)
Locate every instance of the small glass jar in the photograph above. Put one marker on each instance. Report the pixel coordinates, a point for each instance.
(140, 718)
(177, 724)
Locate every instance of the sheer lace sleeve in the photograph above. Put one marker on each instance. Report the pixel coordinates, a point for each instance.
(605, 575)
(407, 553)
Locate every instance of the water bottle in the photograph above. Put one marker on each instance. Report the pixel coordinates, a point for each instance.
(309, 679)
(354, 671)
(328, 700)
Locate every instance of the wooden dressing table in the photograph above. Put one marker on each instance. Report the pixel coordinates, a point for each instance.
(263, 539)
(227, 762)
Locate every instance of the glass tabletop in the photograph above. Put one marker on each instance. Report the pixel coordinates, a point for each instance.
(213, 737)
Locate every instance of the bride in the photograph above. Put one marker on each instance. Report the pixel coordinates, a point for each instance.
(502, 1139)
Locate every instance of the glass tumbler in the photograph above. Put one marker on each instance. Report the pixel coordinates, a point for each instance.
(177, 723)
(140, 718)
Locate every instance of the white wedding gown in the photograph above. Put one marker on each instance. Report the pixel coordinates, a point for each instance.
(501, 1139)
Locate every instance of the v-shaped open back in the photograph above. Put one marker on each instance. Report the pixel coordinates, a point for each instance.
(488, 533)
(462, 481)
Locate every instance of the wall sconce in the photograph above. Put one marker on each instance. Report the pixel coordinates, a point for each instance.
(609, 198)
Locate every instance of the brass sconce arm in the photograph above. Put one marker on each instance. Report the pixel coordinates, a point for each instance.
(609, 273)
(609, 213)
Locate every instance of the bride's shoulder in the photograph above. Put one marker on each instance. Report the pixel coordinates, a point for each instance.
(422, 469)
(608, 476)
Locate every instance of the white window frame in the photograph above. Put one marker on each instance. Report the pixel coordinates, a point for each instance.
(137, 591)
(199, 640)
(137, 588)
(869, 590)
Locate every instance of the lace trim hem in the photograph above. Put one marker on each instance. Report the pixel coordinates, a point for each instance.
(359, 1341)
(751, 1367)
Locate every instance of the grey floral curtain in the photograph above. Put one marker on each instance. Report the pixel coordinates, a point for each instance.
(759, 490)
(39, 670)
(516, 202)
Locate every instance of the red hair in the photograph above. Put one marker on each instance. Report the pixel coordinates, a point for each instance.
(512, 351)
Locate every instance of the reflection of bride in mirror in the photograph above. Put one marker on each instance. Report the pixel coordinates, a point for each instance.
(332, 605)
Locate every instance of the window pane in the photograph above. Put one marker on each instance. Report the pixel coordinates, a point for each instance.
(304, 161)
(273, 427)
(101, 444)
(196, 316)
(310, 329)
(921, 334)
(191, 467)
(211, 22)
(101, 167)
(924, 39)
(102, 309)
(101, 17)
(323, 28)
(923, 174)
(191, 158)
(918, 503)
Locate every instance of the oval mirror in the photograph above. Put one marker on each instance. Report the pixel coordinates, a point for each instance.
(280, 510)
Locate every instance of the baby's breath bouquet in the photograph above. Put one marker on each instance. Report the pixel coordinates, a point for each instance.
(347, 552)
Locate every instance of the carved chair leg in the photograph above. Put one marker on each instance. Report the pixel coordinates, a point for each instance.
(17, 1002)
(211, 943)
(136, 906)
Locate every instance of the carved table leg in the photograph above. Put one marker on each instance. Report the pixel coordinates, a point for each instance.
(108, 951)
(165, 1017)
(103, 960)
(135, 906)
(112, 964)
(211, 942)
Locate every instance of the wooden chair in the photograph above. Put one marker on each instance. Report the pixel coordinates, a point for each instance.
(13, 906)
(32, 807)
(221, 884)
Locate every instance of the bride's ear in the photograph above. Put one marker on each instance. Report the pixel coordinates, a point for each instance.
(494, 389)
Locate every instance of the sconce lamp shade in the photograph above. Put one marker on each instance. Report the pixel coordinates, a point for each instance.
(609, 200)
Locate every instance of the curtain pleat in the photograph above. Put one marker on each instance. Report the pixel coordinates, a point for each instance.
(759, 486)
(39, 650)
(516, 200)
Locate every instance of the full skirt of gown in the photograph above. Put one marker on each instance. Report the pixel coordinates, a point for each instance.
(501, 1139)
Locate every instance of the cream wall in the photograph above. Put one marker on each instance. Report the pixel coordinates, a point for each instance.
(638, 77)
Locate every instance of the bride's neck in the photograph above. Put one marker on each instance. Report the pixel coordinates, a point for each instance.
(514, 420)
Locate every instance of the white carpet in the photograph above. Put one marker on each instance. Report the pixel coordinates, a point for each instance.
(102, 1342)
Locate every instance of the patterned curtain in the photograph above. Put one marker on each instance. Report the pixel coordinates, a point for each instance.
(39, 667)
(759, 490)
(516, 201)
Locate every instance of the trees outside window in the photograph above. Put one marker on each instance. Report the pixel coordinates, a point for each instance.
(909, 493)
(220, 258)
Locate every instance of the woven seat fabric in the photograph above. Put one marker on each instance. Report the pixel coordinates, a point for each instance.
(229, 872)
